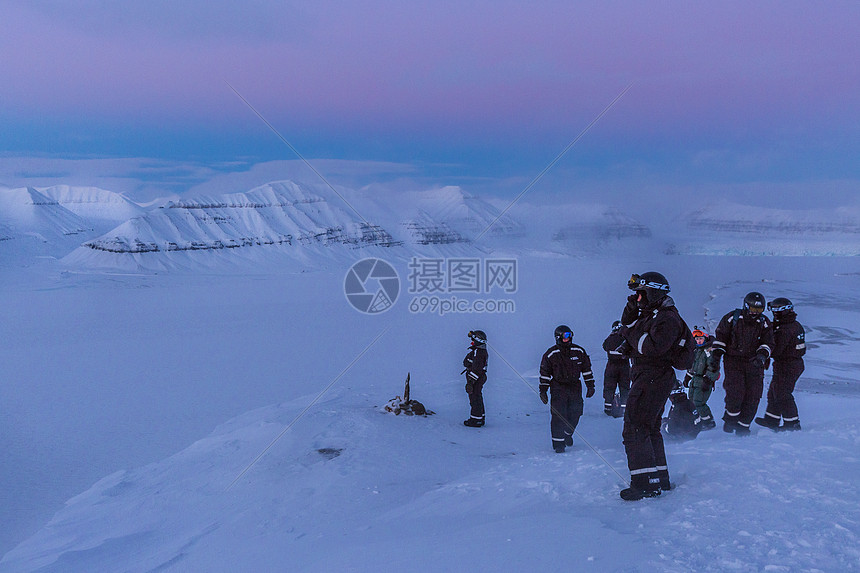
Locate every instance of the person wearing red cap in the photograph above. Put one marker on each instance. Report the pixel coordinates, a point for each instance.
(700, 378)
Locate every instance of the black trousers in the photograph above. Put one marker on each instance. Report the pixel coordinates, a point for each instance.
(744, 384)
(643, 443)
(476, 397)
(566, 402)
(616, 375)
(780, 395)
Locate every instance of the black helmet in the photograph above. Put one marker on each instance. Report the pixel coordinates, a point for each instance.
(563, 334)
(780, 304)
(754, 303)
(653, 285)
(478, 337)
(616, 326)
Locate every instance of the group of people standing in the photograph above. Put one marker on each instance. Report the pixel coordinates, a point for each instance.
(655, 339)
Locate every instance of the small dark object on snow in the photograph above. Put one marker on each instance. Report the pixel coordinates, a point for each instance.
(406, 405)
(330, 453)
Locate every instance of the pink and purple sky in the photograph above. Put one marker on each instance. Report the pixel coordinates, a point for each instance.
(760, 96)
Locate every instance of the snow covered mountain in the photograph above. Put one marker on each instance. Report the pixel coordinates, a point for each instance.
(102, 208)
(733, 229)
(290, 220)
(302, 225)
(280, 218)
(468, 217)
(33, 224)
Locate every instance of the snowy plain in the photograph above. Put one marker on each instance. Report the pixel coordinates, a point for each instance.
(137, 405)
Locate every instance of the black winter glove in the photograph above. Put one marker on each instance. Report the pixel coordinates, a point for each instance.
(543, 397)
(590, 392)
(759, 361)
(624, 348)
(631, 302)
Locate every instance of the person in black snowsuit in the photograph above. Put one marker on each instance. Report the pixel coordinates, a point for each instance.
(683, 422)
(475, 363)
(617, 371)
(745, 337)
(788, 350)
(560, 369)
(651, 329)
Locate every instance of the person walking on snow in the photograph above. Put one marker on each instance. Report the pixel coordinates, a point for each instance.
(617, 371)
(788, 350)
(700, 379)
(745, 337)
(475, 364)
(560, 369)
(652, 329)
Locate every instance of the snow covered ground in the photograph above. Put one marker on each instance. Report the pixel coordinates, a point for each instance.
(144, 402)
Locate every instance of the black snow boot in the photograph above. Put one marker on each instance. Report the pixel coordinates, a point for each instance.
(730, 423)
(665, 484)
(642, 486)
(635, 494)
(474, 422)
(768, 422)
(790, 426)
(568, 440)
(742, 430)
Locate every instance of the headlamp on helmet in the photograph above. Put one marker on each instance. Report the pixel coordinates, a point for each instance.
(478, 336)
(780, 304)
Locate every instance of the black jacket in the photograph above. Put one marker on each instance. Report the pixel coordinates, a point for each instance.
(476, 363)
(611, 344)
(743, 335)
(563, 365)
(789, 338)
(652, 336)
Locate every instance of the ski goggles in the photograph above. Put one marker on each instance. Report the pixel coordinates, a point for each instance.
(780, 308)
(755, 310)
(476, 337)
(566, 335)
(635, 282)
